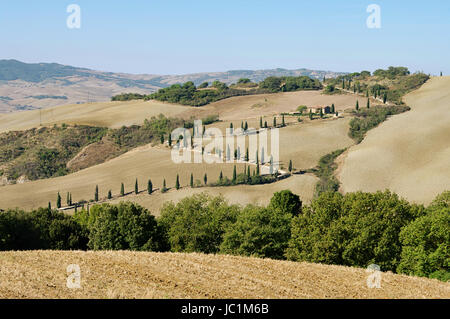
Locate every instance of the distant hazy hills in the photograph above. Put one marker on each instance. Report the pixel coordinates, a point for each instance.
(29, 86)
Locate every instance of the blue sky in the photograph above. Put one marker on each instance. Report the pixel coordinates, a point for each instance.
(176, 37)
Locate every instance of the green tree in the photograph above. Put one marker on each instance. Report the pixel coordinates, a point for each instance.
(197, 223)
(149, 187)
(333, 108)
(164, 188)
(234, 175)
(426, 242)
(109, 194)
(274, 122)
(221, 177)
(357, 105)
(368, 103)
(205, 179)
(310, 114)
(247, 155)
(170, 140)
(261, 122)
(136, 187)
(357, 229)
(290, 166)
(258, 232)
(192, 180)
(49, 206)
(58, 201)
(125, 226)
(321, 113)
(122, 189)
(162, 139)
(283, 123)
(286, 202)
(177, 183)
(385, 98)
(96, 194)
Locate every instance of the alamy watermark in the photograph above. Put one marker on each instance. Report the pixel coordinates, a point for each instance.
(74, 19)
(374, 279)
(374, 19)
(74, 277)
(211, 146)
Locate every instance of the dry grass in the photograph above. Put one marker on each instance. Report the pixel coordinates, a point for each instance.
(107, 275)
(408, 154)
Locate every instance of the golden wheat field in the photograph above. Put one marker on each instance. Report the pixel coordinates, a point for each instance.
(107, 275)
(409, 153)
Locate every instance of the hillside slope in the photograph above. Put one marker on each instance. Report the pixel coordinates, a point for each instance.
(408, 154)
(42, 274)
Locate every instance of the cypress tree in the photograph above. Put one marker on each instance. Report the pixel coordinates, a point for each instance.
(49, 206)
(96, 194)
(290, 166)
(310, 114)
(234, 174)
(221, 176)
(58, 201)
(170, 140)
(333, 109)
(205, 179)
(357, 105)
(385, 98)
(192, 180)
(149, 187)
(242, 125)
(109, 194)
(177, 183)
(441, 73)
(122, 190)
(231, 128)
(246, 155)
(246, 126)
(68, 199)
(321, 113)
(274, 122)
(162, 139)
(283, 123)
(136, 187)
(204, 130)
(248, 173)
(265, 124)
(368, 103)
(260, 122)
(164, 189)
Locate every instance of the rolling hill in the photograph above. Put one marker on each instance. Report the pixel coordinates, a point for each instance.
(108, 275)
(25, 86)
(408, 154)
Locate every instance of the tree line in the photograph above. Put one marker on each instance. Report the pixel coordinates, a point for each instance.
(356, 229)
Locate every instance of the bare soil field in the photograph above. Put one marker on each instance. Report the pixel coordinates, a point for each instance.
(117, 114)
(254, 106)
(107, 114)
(409, 153)
(107, 275)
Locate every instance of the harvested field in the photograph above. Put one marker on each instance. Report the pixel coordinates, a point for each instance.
(117, 114)
(43, 274)
(409, 153)
(303, 185)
